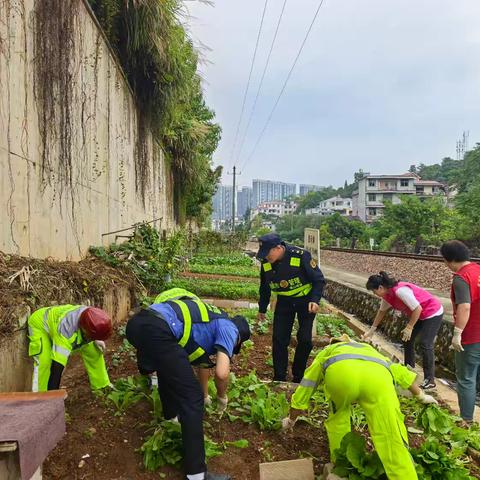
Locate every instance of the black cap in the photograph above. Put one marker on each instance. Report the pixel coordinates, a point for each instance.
(243, 329)
(267, 242)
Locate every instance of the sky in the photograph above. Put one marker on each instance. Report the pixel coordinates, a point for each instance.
(380, 85)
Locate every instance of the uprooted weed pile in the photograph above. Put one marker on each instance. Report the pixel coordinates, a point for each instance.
(37, 283)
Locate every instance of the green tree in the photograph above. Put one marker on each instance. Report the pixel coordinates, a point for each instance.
(412, 222)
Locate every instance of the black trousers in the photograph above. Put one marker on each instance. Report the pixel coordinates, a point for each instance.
(426, 330)
(179, 389)
(283, 319)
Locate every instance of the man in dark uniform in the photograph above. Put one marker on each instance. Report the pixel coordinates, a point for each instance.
(294, 276)
(177, 331)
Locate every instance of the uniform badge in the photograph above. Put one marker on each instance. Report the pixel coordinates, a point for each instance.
(283, 284)
(313, 263)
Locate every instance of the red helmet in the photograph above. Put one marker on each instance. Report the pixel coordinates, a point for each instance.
(96, 324)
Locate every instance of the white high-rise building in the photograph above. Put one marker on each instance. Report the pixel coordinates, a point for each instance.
(304, 188)
(269, 190)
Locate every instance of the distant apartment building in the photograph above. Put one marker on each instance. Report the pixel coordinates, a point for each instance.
(268, 191)
(222, 204)
(244, 201)
(340, 205)
(304, 189)
(374, 190)
(277, 208)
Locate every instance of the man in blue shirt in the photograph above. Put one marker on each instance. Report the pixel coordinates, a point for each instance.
(177, 331)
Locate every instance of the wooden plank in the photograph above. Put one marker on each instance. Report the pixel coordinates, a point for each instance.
(29, 396)
(288, 470)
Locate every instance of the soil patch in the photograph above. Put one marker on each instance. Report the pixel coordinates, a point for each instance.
(38, 283)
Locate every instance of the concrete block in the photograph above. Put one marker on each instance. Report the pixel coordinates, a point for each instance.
(288, 470)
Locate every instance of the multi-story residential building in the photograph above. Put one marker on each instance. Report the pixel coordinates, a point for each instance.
(222, 203)
(343, 206)
(303, 189)
(374, 190)
(244, 201)
(278, 208)
(268, 190)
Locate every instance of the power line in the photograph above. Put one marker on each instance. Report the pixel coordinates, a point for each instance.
(267, 63)
(248, 81)
(269, 118)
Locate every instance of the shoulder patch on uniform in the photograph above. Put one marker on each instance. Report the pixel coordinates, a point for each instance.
(313, 263)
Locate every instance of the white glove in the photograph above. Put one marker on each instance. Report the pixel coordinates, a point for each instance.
(407, 333)
(101, 345)
(222, 403)
(207, 401)
(457, 340)
(369, 333)
(426, 399)
(287, 423)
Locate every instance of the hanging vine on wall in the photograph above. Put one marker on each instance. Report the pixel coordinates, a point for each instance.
(54, 45)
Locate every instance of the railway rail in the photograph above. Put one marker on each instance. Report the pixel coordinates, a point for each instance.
(415, 256)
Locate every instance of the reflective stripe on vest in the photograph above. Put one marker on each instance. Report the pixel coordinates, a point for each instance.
(354, 356)
(45, 320)
(297, 292)
(187, 326)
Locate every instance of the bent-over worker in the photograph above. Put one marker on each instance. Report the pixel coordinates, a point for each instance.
(56, 332)
(353, 372)
(174, 333)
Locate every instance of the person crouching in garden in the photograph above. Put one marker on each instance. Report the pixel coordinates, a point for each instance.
(425, 316)
(354, 372)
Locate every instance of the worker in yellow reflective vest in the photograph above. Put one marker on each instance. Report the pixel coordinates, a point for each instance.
(353, 372)
(56, 332)
(174, 333)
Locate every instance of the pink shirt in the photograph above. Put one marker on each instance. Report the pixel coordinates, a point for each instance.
(400, 298)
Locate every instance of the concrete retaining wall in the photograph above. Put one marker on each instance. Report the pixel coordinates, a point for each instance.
(15, 364)
(72, 148)
(364, 306)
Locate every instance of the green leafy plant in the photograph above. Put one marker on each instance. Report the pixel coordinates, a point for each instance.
(234, 270)
(127, 392)
(217, 288)
(151, 258)
(354, 462)
(434, 462)
(434, 420)
(332, 326)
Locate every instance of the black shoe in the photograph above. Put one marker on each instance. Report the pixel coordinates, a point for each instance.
(296, 380)
(279, 379)
(217, 476)
(428, 384)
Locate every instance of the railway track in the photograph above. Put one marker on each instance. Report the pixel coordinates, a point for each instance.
(415, 256)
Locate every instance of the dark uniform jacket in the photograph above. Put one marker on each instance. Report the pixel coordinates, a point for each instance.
(295, 275)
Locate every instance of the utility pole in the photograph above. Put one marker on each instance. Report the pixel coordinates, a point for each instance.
(234, 195)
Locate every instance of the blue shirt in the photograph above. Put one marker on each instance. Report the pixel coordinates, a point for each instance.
(219, 332)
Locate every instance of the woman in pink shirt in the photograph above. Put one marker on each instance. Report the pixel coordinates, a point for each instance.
(425, 314)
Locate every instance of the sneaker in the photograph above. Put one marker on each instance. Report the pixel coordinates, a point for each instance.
(428, 384)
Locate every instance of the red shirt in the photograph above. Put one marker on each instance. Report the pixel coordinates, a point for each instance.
(471, 275)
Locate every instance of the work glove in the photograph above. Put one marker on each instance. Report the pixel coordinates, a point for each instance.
(287, 423)
(457, 340)
(207, 401)
(100, 345)
(222, 403)
(407, 333)
(426, 399)
(368, 335)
